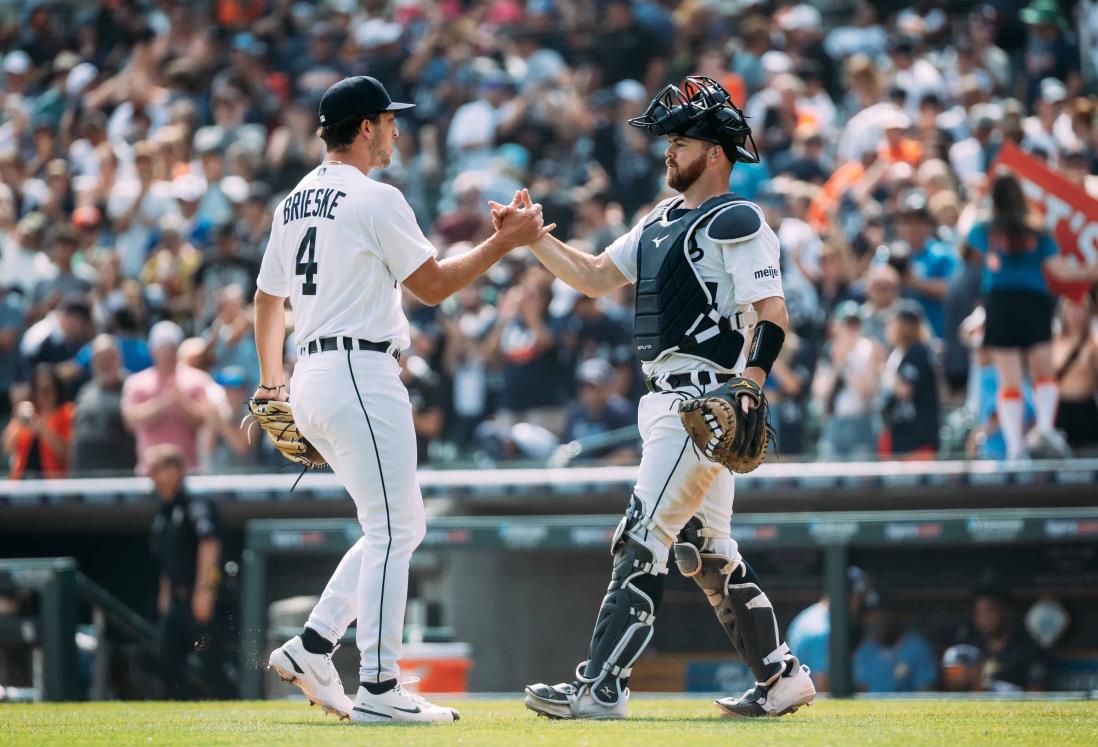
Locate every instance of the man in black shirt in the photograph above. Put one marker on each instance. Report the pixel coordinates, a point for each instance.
(1012, 660)
(186, 539)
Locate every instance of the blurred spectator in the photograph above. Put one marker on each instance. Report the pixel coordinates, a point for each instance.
(62, 281)
(926, 271)
(466, 357)
(133, 348)
(135, 206)
(22, 264)
(38, 435)
(846, 386)
(424, 391)
(1038, 128)
(227, 267)
(101, 441)
(165, 404)
(1016, 252)
(809, 633)
(971, 156)
(1075, 362)
(892, 658)
(171, 268)
(1011, 659)
(524, 340)
(882, 291)
(598, 410)
(57, 339)
(11, 327)
(186, 539)
(909, 387)
(468, 221)
(1050, 50)
(223, 445)
(788, 388)
(230, 339)
(963, 669)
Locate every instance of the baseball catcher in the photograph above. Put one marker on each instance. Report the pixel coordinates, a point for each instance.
(709, 323)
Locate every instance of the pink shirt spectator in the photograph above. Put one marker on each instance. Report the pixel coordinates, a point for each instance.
(172, 425)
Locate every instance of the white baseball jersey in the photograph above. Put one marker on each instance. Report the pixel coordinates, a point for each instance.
(341, 244)
(743, 272)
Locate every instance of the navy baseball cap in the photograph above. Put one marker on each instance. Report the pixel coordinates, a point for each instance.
(357, 96)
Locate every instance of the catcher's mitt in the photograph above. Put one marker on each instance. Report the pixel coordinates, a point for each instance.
(276, 418)
(723, 432)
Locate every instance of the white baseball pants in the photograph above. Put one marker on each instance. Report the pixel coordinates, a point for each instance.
(353, 407)
(676, 481)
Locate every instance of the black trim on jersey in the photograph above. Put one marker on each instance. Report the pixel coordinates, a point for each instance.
(666, 482)
(388, 523)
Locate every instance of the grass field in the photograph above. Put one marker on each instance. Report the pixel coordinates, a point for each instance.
(667, 723)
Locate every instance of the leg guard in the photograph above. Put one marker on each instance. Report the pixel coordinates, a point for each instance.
(741, 606)
(624, 624)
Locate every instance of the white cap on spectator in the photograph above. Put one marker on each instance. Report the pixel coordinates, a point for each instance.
(1053, 91)
(188, 188)
(235, 188)
(896, 119)
(376, 32)
(165, 334)
(800, 18)
(776, 63)
(630, 90)
(79, 78)
(17, 63)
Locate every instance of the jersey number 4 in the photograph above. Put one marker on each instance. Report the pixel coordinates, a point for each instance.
(306, 261)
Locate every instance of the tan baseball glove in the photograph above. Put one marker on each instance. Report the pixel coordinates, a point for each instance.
(722, 431)
(276, 418)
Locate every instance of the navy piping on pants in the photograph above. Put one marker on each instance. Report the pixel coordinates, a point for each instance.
(666, 482)
(388, 524)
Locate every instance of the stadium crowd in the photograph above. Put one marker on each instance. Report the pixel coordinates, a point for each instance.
(144, 145)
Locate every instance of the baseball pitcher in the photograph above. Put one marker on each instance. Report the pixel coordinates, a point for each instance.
(341, 247)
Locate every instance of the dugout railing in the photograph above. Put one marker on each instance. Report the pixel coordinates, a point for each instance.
(51, 628)
(833, 535)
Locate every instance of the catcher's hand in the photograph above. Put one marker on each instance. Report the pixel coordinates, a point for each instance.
(276, 418)
(727, 432)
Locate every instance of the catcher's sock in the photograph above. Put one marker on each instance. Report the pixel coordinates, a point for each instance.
(1046, 395)
(377, 688)
(315, 643)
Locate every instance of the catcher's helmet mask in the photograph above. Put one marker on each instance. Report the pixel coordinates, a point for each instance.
(701, 109)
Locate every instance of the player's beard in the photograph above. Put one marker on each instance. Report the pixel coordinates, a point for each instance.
(381, 154)
(681, 176)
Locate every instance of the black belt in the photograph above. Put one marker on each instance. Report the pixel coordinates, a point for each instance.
(671, 382)
(325, 344)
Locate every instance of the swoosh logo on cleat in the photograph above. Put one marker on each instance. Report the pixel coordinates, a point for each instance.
(297, 668)
(372, 713)
(417, 709)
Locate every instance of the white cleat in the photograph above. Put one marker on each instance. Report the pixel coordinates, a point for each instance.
(786, 695)
(398, 704)
(573, 700)
(314, 675)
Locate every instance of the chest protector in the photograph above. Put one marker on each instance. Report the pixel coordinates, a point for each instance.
(676, 311)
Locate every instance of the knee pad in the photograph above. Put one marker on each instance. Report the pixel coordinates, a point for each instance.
(624, 624)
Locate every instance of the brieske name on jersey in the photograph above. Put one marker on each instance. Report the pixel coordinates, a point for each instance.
(311, 203)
